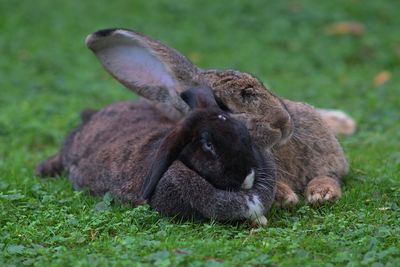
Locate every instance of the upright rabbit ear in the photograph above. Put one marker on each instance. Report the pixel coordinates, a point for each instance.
(167, 153)
(144, 65)
(199, 97)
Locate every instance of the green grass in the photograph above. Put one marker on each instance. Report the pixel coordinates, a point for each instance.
(47, 76)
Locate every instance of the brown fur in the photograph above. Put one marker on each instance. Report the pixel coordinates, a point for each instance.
(321, 189)
(309, 159)
(284, 195)
(268, 120)
(118, 149)
(303, 145)
(102, 148)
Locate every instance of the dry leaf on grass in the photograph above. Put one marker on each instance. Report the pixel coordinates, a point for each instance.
(382, 77)
(345, 28)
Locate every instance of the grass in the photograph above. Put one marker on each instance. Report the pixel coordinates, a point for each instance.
(47, 76)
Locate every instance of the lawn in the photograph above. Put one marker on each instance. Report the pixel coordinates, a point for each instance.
(47, 76)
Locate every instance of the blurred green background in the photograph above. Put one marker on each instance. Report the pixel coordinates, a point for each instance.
(331, 54)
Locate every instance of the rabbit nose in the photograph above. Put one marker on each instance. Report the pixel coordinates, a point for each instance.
(285, 126)
(249, 180)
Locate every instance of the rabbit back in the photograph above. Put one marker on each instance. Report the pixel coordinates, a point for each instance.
(110, 151)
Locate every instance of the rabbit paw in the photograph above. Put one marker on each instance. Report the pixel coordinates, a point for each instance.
(285, 196)
(255, 212)
(259, 221)
(322, 189)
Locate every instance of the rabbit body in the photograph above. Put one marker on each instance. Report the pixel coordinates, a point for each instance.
(310, 160)
(113, 151)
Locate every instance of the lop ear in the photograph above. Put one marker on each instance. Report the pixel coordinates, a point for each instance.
(144, 65)
(167, 153)
(199, 97)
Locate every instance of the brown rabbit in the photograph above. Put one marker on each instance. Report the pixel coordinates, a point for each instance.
(128, 148)
(309, 159)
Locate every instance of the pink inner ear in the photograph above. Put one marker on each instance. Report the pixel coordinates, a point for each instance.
(132, 63)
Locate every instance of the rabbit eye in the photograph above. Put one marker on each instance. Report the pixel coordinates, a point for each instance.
(247, 92)
(208, 147)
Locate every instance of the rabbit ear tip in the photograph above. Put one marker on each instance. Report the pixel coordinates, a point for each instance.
(89, 40)
(105, 32)
(93, 37)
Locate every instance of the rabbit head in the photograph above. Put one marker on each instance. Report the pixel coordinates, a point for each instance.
(210, 142)
(248, 100)
(160, 73)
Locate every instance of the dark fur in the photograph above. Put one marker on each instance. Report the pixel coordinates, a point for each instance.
(303, 144)
(121, 148)
(309, 159)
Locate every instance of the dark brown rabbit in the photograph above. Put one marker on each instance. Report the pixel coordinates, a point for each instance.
(310, 161)
(126, 148)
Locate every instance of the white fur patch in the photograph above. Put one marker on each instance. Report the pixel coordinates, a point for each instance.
(338, 121)
(261, 220)
(256, 208)
(249, 180)
(222, 117)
